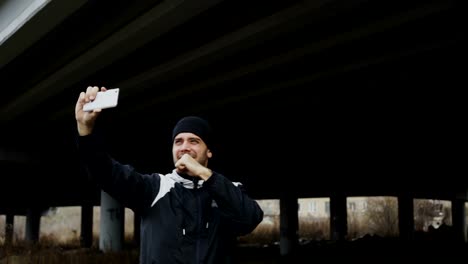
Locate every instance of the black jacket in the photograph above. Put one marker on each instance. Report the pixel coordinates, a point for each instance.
(182, 221)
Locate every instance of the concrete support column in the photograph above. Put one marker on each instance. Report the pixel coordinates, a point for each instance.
(289, 224)
(111, 225)
(459, 220)
(406, 217)
(33, 224)
(86, 235)
(338, 217)
(9, 228)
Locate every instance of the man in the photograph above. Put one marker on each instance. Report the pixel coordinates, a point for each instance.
(191, 215)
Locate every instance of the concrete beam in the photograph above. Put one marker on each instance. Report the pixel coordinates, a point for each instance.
(157, 21)
(24, 22)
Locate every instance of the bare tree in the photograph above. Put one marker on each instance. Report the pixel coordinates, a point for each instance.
(382, 216)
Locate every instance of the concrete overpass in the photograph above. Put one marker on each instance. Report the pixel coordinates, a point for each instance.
(308, 98)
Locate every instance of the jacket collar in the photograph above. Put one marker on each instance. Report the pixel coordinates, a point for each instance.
(185, 180)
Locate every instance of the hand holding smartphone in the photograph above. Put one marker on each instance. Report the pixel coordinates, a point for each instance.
(104, 99)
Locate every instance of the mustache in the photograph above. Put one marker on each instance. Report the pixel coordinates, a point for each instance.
(193, 155)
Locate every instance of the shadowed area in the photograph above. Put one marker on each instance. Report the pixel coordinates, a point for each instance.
(306, 97)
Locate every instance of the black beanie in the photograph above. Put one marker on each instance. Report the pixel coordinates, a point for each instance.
(195, 125)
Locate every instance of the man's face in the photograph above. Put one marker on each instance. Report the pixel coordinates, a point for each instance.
(191, 144)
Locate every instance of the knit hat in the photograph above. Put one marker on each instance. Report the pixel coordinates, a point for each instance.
(195, 125)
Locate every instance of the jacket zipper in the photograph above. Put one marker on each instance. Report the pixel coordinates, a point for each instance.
(199, 209)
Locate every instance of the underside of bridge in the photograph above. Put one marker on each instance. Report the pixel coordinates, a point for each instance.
(308, 98)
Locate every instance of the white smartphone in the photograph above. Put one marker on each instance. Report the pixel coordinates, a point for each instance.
(104, 99)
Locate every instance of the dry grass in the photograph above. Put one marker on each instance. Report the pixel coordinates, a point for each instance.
(41, 253)
(268, 232)
(51, 250)
(59, 240)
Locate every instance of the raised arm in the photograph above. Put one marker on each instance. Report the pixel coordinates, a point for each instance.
(122, 182)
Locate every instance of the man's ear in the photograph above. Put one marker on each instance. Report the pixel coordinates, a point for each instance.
(209, 154)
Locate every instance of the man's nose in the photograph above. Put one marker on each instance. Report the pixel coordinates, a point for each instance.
(185, 145)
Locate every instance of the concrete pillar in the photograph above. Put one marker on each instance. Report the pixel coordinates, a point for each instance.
(406, 217)
(338, 217)
(9, 228)
(289, 224)
(111, 224)
(459, 220)
(33, 223)
(86, 235)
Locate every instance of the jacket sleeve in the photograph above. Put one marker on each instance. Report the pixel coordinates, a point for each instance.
(134, 190)
(234, 204)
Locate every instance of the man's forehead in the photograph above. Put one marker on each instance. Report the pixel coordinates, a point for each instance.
(186, 135)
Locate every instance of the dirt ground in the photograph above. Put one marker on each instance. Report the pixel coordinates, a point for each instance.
(362, 251)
